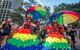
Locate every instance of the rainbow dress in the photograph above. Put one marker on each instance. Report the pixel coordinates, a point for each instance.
(22, 40)
(55, 41)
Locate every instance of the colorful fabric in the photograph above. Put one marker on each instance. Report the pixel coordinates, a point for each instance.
(38, 10)
(55, 41)
(22, 41)
(65, 17)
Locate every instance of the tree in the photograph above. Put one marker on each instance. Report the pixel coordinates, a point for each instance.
(17, 16)
(29, 4)
(48, 13)
(76, 7)
(33, 2)
(72, 7)
(26, 4)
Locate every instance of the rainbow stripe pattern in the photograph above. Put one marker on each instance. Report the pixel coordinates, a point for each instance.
(65, 17)
(22, 41)
(56, 42)
(38, 10)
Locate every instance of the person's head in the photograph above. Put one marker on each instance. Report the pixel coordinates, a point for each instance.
(54, 24)
(69, 25)
(29, 18)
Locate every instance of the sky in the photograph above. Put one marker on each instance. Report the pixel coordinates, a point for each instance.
(51, 3)
(54, 2)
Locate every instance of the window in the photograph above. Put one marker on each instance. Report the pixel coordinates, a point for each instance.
(1, 11)
(4, 14)
(2, 19)
(7, 1)
(10, 5)
(3, 6)
(3, 3)
(0, 6)
(6, 17)
(4, 11)
(8, 12)
(0, 14)
(6, 4)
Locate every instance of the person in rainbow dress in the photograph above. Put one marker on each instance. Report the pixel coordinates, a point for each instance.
(23, 39)
(55, 39)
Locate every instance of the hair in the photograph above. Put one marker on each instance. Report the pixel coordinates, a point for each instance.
(54, 23)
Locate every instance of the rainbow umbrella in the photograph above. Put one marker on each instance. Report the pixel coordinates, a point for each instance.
(37, 12)
(65, 17)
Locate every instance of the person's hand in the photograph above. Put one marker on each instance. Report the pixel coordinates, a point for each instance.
(3, 22)
(48, 31)
(69, 30)
(0, 27)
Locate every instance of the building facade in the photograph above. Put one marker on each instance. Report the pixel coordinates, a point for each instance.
(7, 6)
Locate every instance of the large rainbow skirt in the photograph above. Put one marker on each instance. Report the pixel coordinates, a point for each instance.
(20, 41)
(56, 42)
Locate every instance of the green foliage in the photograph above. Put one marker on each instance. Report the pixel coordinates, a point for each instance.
(72, 7)
(17, 16)
(48, 13)
(0, 22)
(30, 3)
